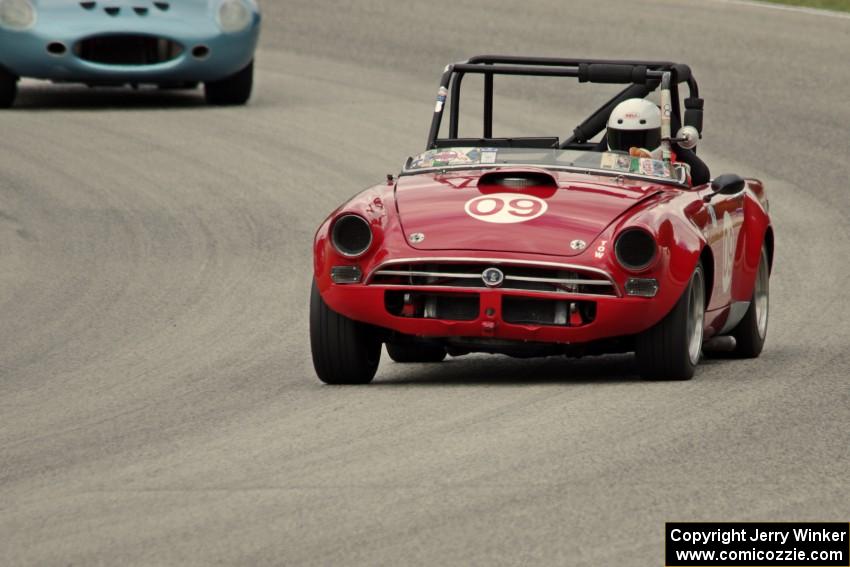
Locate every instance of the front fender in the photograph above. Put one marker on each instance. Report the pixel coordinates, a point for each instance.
(680, 246)
(752, 238)
(375, 204)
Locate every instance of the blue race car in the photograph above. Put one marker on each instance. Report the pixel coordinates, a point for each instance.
(168, 43)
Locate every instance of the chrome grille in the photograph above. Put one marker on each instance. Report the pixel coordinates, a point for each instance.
(467, 274)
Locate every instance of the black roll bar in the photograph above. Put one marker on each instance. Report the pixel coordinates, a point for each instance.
(642, 77)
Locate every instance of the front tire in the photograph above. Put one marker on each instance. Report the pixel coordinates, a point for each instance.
(671, 349)
(344, 351)
(751, 332)
(8, 88)
(232, 90)
(415, 353)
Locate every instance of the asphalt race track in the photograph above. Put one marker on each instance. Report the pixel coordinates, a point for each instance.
(157, 399)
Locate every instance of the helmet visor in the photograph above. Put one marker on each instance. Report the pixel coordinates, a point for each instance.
(624, 140)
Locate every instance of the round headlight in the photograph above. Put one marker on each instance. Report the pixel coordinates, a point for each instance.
(17, 14)
(635, 249)
(351, 235)
(233, 16)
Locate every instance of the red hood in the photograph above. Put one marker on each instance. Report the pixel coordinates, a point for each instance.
(471, 210)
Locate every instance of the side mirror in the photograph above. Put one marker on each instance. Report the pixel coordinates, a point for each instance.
(726, 184)
(687, 137)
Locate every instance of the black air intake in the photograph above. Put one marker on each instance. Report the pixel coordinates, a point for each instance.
(518, 179)
(127, 49)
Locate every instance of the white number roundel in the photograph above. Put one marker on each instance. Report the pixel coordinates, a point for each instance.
(505, 208)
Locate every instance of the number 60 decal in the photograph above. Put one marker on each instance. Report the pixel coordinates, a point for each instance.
(504, 208)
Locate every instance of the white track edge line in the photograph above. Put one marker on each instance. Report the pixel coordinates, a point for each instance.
(786, 8)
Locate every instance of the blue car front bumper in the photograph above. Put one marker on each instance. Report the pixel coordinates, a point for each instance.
(25, 53)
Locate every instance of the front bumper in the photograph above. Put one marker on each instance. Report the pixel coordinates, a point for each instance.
(614, 316)
(24, 53)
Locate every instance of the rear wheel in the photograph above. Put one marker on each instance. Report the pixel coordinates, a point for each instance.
(751, 332)
(671, 349)
(416, 353)
(232, 90)
(8, 88)
(344, 351)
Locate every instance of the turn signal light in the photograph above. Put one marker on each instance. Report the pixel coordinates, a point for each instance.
(346, 274)
(641, 287)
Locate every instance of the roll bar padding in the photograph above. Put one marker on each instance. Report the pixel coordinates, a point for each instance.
(612, 74)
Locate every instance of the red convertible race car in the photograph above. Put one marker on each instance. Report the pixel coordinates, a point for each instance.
(613, 240)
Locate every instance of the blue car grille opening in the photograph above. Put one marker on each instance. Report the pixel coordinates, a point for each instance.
(127, 49)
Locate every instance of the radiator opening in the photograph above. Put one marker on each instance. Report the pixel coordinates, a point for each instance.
(447, 306)
(127, 49)
(532, 311)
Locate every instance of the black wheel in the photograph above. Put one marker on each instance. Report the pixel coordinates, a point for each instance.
(344, 351)
(671, 349)
(751, 332)
(8, 88)
(416, 353)
(232, 90)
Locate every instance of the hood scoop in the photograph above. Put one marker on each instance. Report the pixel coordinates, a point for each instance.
(518, 179)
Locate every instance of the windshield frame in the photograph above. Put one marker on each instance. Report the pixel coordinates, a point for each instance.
(680, 182)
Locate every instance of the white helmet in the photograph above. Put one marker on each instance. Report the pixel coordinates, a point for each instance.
(634, 123)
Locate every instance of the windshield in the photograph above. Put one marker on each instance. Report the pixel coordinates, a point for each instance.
(604, 163)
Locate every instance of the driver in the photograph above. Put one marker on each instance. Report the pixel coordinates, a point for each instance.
(634, 127)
